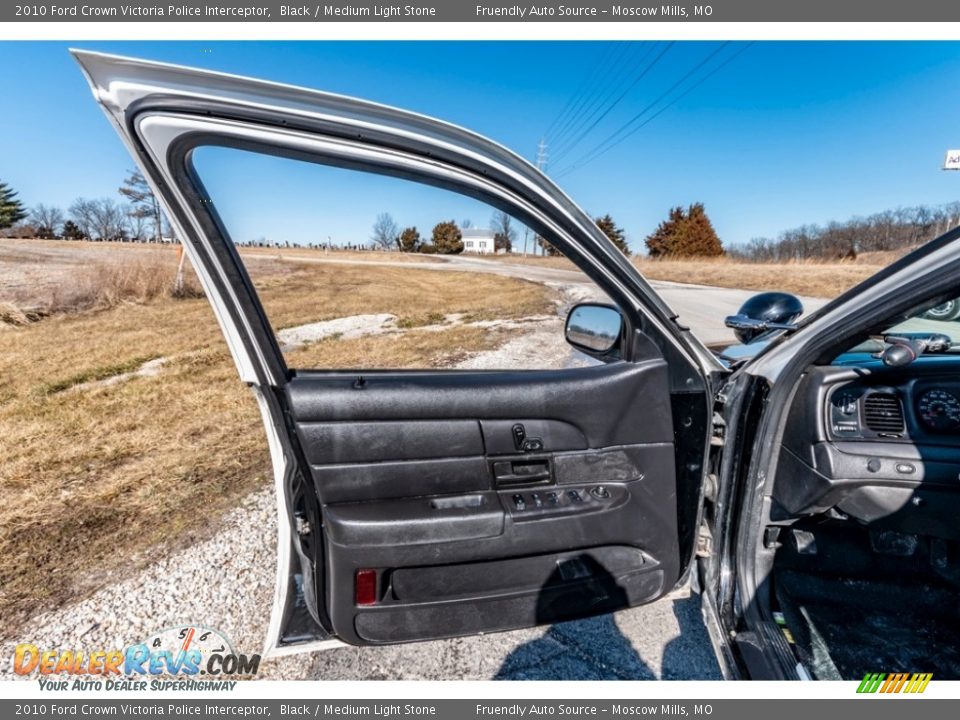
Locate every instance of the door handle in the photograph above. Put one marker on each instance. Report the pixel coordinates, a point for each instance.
(521, 472)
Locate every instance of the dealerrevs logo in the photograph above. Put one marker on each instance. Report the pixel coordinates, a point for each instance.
(182, 651)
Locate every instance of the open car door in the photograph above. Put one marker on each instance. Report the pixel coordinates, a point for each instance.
(420, 504)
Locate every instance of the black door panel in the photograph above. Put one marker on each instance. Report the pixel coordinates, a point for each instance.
(601, 401)
(346, 442)
(415, 521)
(490, 500)
(596, 582)
(400, 478)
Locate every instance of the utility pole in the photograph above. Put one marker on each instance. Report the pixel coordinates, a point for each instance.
(542, 155)
(542, 167)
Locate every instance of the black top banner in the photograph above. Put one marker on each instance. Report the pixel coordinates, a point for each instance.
(473, 11)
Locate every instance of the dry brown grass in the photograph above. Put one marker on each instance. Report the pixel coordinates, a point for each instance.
(813, 279)
(550, 261)
(352, 256)
(98, 476)
(143, 278)
(139, 281)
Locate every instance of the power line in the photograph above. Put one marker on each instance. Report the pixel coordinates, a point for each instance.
(601, 92)
(614, 138)
(625, 131)
(643, 73)
(585, 85)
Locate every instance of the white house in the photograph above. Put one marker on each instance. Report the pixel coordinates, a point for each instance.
(477, 240)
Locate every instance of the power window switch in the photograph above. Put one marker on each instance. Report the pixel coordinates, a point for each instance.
(537, 500)
(574, 496)
(552, 498)
(518, 502)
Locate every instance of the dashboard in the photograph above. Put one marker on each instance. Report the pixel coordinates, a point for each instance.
(914, 409)
(880, 445)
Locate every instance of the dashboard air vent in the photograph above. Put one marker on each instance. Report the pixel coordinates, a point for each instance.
(883, 413)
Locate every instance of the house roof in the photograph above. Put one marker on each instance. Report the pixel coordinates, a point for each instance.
(476, 234)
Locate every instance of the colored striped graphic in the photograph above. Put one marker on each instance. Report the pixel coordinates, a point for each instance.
(894, 682)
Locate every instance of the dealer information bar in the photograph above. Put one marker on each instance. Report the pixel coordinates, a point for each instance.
(78, 707)
(472, 11)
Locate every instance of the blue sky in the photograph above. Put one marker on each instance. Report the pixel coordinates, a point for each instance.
(785, 134)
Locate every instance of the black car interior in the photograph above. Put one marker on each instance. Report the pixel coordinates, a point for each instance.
(862, 544)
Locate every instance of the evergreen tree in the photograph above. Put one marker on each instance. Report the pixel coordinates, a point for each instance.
(686, 233)
(409, 240)
(12, 210)
(547, 248)
(616, 234)
(72, 232)
(447, 238)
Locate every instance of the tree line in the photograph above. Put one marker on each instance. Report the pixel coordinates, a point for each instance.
(687, 232)
(137, 217)
(890, 230)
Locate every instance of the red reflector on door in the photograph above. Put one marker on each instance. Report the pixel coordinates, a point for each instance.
(365, 587)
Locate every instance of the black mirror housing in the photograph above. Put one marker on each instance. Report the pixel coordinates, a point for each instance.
(595, 329)
(764, 312)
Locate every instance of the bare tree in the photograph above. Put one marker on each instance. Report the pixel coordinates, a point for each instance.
(143, 203)
(385, 232)
(503, 231)
(137, 226)
(47, 219)
(81, 213)
(100, 219)
(902, 228)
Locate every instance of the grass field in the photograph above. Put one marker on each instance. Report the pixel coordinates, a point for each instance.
(813, 279)
(101, 475)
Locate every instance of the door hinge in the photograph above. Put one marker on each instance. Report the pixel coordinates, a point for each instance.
(302, 524)
(718, 436)
(710, 487)
(704, 542)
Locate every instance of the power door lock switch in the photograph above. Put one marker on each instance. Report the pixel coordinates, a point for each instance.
(519, 434)
(532, 445)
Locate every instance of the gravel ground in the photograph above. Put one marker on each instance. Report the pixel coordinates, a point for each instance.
(227, 582)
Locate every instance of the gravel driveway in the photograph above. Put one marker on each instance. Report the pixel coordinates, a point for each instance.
(227, 582)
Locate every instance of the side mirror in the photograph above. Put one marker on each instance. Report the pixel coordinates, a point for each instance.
(594, 329)
(765, 312)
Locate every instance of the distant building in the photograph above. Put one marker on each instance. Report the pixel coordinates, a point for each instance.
(477, 240)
